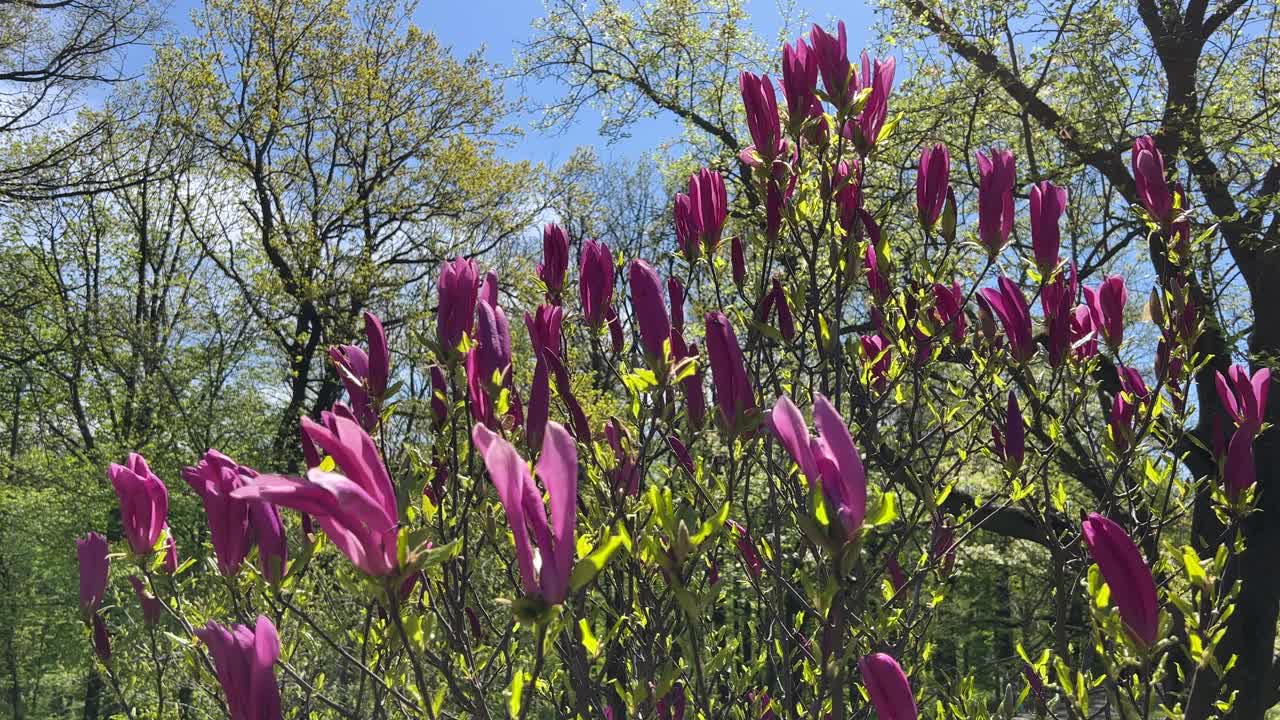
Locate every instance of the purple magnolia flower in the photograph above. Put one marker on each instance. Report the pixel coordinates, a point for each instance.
(649, 308)
(734, 393)
(878, 354)
(457, 291)
(738, 261)
(877, 283)
(897, 577)
(150, 604)
(539, 405)
(1056, 299)
(746, 548)
(675, 295)
(933, 180)
(144, 503)
(888, 687)
(846, 184)
(948, 308)
(493, 344)
(799, 79)
(1244, 398)
(596, 282)
(777, 298)
(439, 402)
(879, 77)
(91, 551)
(1124, 410)
(544, 328)
(688, 222)
(1133, 590)
(555, 260)
(1010, 441)
(355, 507)
(1048, 201)
(101, 639)
(1084, 332)
(762, 119)
(1239, 472)
(364, 375)
(244, 659)
(1148, 174)
(695, 400)
(1107, 305)
(214, 478)
(522, 501)
(235, 525)
(831, 459)
(833, 63)
(1010, 305)
(706, 188)
(488, 292)
(996, 178)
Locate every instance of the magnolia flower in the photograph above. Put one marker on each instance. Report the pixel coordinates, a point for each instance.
(355, 507)
(887, 685)
(649, 308)
(1010, 305)
(595, 282)
(1243, 397)
(91, 551)
(544, 551)
(144, 503)
(734, 393)
(996, 178)
(1133, 590)
(1148, 175)
(799, 79)
(457, 291)
(762, 119)
(555, 260)
(364, 375)
(150, 604)
(830, 459)
(1010, 440)
(244, 659)
(933, 180)
(833, 63)
(1048, 201)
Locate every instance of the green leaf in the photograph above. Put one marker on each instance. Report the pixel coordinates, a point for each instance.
(885, 510)
(589, 642)
(710, 527)
(586, 569)
(1191, 564)
(517, 693)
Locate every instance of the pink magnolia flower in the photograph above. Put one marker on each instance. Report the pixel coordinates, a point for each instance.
(91, 551)
(144, 502)
(1148, 175)
(996, 178)
(888, 687)
(933, 180)
(595, 281)
(244, 659)
(548, 575)
(355, 507)
(1133, 590)
(1010, 305)
(555, 260)
(734, 393)
(457, 292)
(831, 459)
(1048, 201)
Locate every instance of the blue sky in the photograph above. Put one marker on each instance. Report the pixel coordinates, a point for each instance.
(500, 25)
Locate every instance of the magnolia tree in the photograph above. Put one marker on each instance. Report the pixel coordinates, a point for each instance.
(733, 492)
